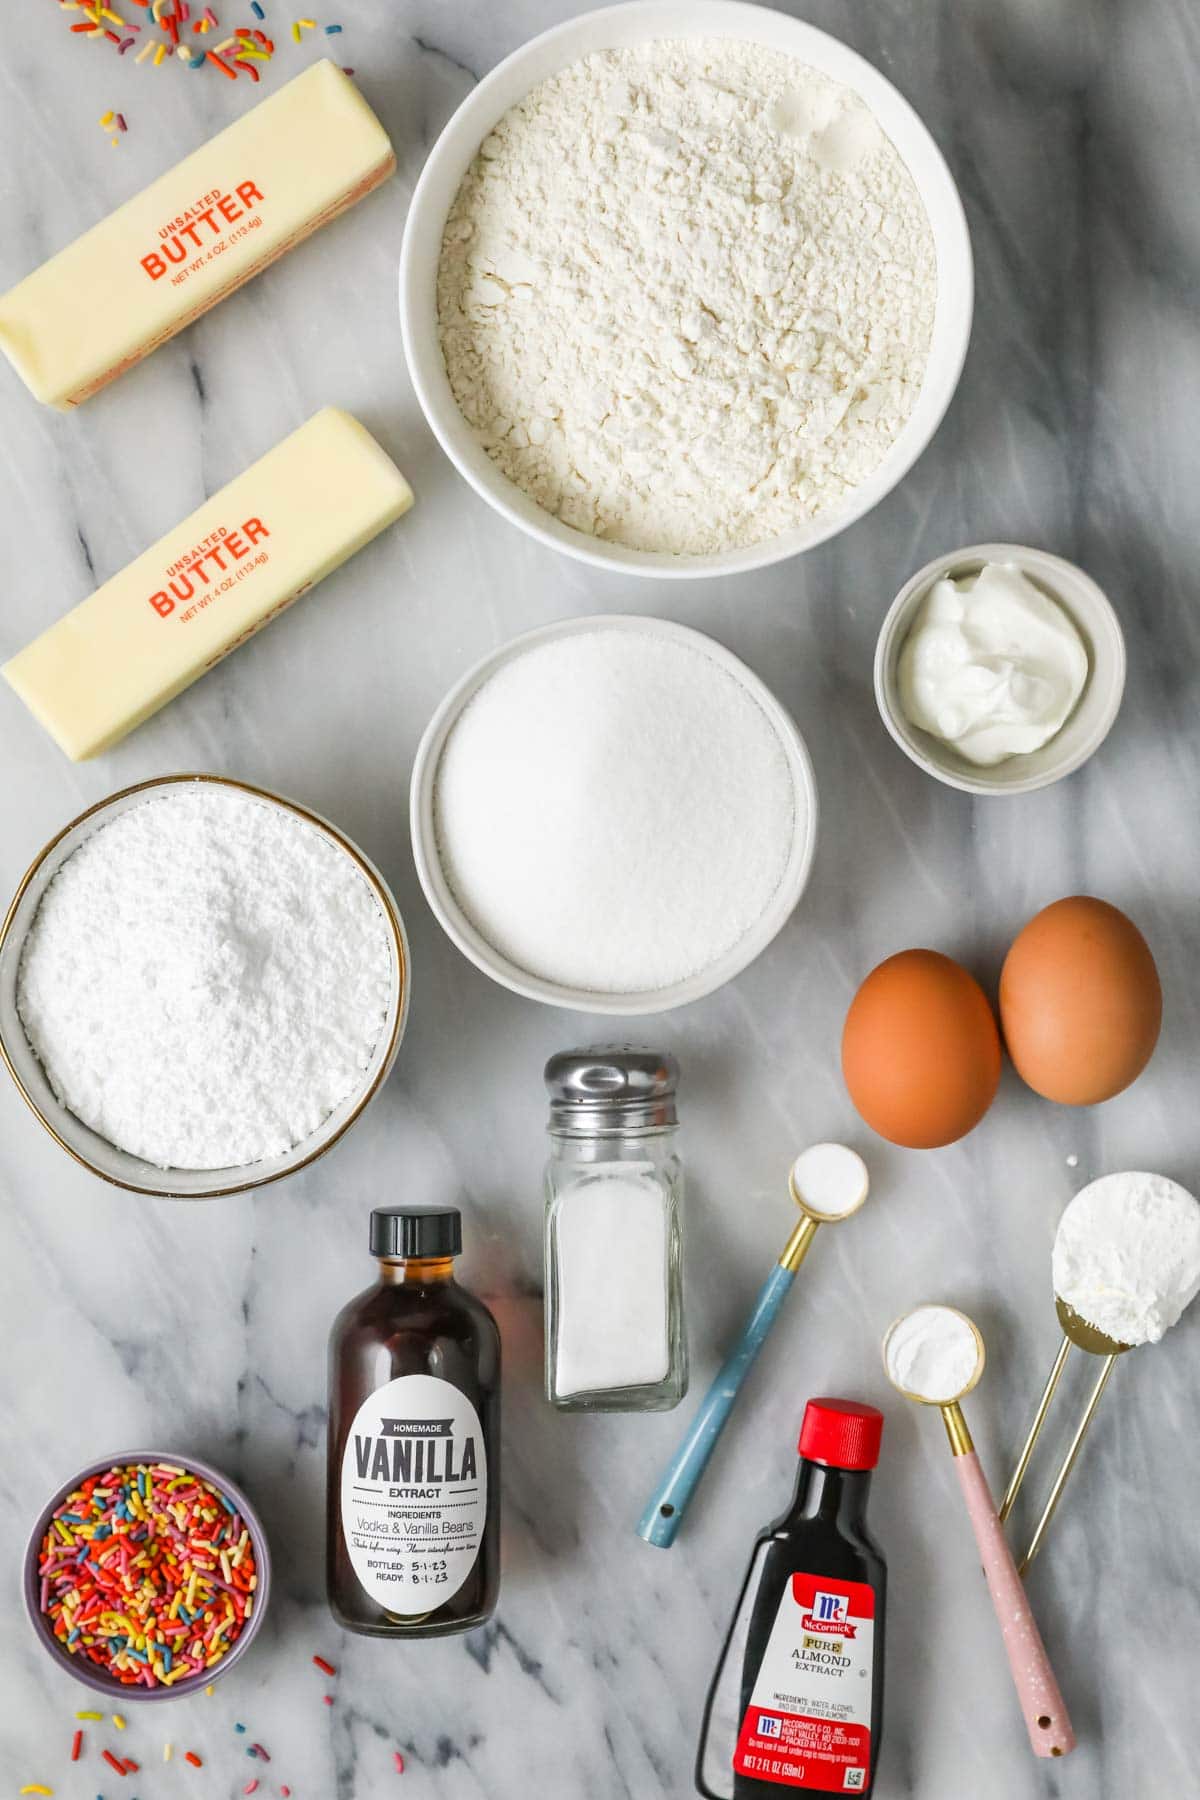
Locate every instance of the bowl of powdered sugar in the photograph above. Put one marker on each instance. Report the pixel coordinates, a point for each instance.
(612, 814)
(685, 289)
(201, 986)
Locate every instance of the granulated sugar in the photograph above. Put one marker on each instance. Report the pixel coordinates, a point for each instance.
(686, 294)
(205, 979)
(613, 810)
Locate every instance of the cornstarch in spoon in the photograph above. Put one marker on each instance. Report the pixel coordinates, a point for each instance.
(1127, 1255)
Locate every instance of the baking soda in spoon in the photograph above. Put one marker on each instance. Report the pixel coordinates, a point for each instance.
(613, 1323)
(935, 1355)
(932, 1352)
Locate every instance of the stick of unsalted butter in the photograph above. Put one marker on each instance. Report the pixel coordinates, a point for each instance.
(202, 590)
(285, 168)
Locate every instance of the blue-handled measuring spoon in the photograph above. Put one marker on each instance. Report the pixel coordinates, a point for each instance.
(828, 1182)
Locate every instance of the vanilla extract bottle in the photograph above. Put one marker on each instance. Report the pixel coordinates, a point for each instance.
(413, 1496)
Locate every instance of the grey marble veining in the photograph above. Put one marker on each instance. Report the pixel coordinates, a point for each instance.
(1070, 125)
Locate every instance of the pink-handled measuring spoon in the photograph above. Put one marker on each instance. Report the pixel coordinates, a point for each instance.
(935, 1355)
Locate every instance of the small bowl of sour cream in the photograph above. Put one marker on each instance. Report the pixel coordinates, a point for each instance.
(999, 668)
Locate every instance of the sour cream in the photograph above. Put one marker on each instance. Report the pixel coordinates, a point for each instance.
(991, 665)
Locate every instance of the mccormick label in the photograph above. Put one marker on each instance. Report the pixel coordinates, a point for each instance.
(808, 1723)
(414, 1493)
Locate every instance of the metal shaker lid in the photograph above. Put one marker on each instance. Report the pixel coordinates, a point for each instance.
(611, 1087)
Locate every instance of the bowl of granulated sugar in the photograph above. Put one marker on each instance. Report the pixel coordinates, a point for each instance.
(612, 814)
(685, 289)
(202, 986)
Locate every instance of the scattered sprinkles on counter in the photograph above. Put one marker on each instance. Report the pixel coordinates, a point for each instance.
(148, 1573)
(181, 24)
(126, 1766)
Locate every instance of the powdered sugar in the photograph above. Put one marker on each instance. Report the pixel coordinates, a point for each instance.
(686, 292)
(205, 979)
(1127, 1255)
(614, 810)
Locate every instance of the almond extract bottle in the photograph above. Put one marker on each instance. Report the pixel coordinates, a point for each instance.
(413, 1494)
(796, 1703)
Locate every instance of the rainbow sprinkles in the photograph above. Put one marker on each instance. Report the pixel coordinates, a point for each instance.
(181, 24)
(148, 1572)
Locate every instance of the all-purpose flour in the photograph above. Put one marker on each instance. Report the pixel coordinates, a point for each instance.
(205, 979)
(686, 293)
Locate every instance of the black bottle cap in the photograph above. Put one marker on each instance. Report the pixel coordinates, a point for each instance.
(402, 1232)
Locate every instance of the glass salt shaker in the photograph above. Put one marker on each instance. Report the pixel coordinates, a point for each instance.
(615, 1338)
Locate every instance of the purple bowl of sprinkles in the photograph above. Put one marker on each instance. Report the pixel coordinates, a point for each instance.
(91, 1674)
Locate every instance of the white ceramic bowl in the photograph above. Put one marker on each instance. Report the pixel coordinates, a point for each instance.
(87, 1146)
(1097, 706)
(484, 955)
(616, 27)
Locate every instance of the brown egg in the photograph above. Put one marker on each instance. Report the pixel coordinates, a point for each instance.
(920, 1050)
(1080, 1002)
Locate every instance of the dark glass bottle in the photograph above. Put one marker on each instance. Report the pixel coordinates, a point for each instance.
(796, 1703)
(413, 1494)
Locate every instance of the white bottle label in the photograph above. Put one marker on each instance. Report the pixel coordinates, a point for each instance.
(414, 1493)
(808, 1723)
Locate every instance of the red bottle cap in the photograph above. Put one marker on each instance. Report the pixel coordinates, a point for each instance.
(844, 1433)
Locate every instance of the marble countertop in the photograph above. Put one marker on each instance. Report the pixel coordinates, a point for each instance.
(204, 1326)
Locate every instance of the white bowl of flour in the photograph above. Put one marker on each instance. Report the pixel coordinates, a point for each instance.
(202, 985)
(685, 289)
(612, 814)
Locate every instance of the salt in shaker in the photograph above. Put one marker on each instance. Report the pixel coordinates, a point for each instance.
(615, 1338)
